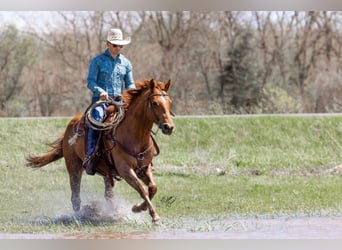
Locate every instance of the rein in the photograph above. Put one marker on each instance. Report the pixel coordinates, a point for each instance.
(139, 156)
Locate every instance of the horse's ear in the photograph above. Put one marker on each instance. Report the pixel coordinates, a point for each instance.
(167, 85)
(153, 84)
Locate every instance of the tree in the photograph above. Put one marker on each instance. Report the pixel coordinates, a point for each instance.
(240, 80)
(172, 32)
(16, 53)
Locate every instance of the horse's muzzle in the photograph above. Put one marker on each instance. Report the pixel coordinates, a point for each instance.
(166, 128)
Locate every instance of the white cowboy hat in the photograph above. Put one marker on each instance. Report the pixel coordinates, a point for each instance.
(115, 37)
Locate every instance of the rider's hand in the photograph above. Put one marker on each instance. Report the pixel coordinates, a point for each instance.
(104, 96)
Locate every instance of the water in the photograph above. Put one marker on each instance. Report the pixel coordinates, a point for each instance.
(220, 227)
(284, 227)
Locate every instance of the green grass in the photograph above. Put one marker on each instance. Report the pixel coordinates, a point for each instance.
(209, 167)
(263, 143)
(250, 196)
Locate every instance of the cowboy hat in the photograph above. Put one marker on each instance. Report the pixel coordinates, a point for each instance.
(115, 37)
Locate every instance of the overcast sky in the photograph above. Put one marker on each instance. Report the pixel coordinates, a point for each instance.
(20, 18)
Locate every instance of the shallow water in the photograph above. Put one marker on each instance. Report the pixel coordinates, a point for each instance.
(261, 227)
(245, 228)
(279, 228)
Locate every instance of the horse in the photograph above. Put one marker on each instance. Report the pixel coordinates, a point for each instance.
(130, 144)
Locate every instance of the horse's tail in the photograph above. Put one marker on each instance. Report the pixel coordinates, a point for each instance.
(53, 155)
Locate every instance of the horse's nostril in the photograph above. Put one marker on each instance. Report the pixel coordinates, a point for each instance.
(167, 128)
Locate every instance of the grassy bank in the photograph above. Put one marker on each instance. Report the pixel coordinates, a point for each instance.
(209, 167)
(262, 144)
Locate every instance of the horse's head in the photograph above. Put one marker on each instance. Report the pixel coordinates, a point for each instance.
(150, 101)
(160, 105)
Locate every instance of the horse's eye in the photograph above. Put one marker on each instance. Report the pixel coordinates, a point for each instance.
(155, 104)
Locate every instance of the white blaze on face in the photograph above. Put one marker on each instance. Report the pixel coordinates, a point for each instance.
(163, 98)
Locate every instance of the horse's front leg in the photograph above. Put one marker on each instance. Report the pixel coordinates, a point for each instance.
(147, 178)
(132, 179)
(109, 193)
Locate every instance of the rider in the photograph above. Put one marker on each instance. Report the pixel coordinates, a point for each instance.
(107, 72)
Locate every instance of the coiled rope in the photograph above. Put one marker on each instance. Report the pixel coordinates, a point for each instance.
(96, 125)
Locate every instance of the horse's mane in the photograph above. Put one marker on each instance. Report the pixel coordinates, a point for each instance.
(130, 94)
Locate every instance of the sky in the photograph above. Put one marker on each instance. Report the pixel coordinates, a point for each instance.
(21, 18)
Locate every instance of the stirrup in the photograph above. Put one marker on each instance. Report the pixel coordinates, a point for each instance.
(88, 165)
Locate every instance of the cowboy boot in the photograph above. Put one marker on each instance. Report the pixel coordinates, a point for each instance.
(91, 157)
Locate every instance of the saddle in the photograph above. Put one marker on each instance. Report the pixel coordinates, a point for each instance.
(81, 130)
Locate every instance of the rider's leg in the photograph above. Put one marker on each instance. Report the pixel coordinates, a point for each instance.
(92, 139)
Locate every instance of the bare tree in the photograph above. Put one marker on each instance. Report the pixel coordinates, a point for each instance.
(172, 32)
(266, 48)
(306, 48)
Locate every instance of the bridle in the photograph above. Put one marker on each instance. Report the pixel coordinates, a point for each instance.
(153, 107)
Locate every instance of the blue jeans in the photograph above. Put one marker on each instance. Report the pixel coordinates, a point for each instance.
(93, 135)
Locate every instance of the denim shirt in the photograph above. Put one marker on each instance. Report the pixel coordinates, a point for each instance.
(107, 74)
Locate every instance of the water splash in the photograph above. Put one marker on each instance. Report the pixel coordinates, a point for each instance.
(96, 212)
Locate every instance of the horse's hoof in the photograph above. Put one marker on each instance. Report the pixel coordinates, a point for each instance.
(156, 221)
(136, 209)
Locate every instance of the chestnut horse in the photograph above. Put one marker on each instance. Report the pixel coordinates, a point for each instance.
(129, 144)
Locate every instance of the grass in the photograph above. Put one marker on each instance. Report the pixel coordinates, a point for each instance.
(209, 168)
(263, 143)
(247, 196)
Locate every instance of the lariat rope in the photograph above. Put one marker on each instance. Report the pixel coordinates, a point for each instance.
(96, 125)
(92, 123)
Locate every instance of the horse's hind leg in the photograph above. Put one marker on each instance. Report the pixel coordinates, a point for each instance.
(75, 170)
(147, 178)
